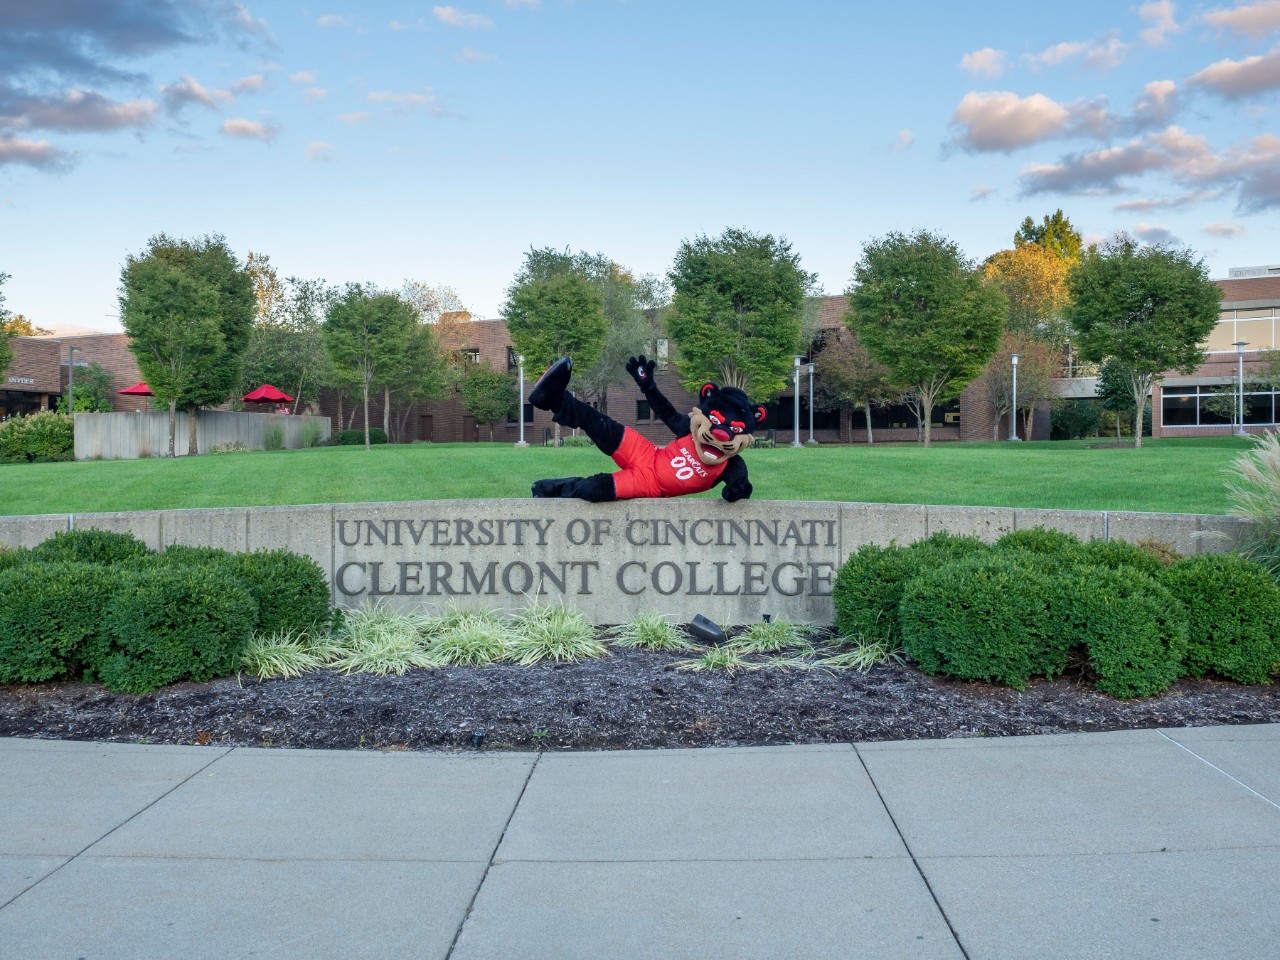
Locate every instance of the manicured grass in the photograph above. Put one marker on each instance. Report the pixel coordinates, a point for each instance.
(1173, 476)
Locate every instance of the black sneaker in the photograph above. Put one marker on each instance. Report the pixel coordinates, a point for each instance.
(549, 390)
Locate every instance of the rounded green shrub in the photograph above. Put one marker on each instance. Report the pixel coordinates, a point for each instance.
(1042, 540)
(1233, 616)
(354, 438)
(40, 437)
(869, 586)
(14, 558)
(50, 613)
(173, 623)
(1120, 554)
(983, 617)
(85, 545)
(1134, 629)
(291, 590)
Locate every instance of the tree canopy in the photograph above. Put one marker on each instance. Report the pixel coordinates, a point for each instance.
(487, 394)
(6, 351)
(553, 316)
(849, 376)
(1149, 308)
(926, 314)
(1054, 233)
(737, 311)
(1034, 282)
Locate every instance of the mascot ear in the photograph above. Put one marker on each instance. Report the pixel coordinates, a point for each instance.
(707, 390)
(759, 414)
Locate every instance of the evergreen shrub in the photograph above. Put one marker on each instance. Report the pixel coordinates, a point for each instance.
(1134, 629)
(869, 586)
(355, 438)
(1042, 540)
(171, 623)
(40, 437)
(1233, 616)
(50, 613)
(1120, 555)
(984, 617)
(86, 545)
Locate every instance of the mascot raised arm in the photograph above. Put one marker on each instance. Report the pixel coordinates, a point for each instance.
(709, 439)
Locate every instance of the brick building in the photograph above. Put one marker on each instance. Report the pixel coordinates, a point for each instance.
(40, 370)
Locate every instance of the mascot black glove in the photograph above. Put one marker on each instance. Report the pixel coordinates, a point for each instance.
(641, 371)
(736, 490)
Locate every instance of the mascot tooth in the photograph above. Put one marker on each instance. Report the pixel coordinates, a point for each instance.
(709, 439)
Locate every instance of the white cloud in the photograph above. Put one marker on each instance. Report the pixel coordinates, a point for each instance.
(250, 83)
(1160, 15)
(249, 130)
(1222, 229)
(400, 25)
(188, 90)
(1154, 233)
(312, 94)
(34, 153)
(334, 20)
(1100, 54)
(1241, 78)
(460, 18)
(303, 76)
(1157, 104)
(1250, 19)
(77, 110)
(1002, 121)
(987, 62)
(981, 192)
(318, 150)
(473, 56)
(902, 141)
(359, 117)
(403, 99)
(527, 4)
(1147, 204)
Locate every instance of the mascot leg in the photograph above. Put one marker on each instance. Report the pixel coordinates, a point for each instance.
(595, 489)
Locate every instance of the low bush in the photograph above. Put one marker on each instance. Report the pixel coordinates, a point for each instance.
(1233, 616)
(40, 437)
(352, 438)
(86, 545)
(51, 613)
(291, 590)
(1134, 629)
(1042, 540)
(1121, 554)
(273, 437)
(983, 617)
(869, 586)
(14, 557)
(173, 623)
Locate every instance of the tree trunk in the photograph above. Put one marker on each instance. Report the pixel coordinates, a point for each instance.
(927, 420)
(1028, 421)
(193, 448)
(1140, 388)
(339, 411)
(173, 427)
(366, 416)
(867, 409)
(995, 425)
(386, 412)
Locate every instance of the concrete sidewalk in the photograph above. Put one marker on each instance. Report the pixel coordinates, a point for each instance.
(1161, 844)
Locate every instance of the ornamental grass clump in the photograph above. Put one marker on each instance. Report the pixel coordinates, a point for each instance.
(860, 656)
(1233, 616)
(651, 631)
(282, 655)
(773, 636)
(376, 640)
(467, 639)
(717, 658)
(553, 632)
(1255, 496)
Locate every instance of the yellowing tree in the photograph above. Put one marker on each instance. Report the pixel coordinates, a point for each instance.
(1034, 281)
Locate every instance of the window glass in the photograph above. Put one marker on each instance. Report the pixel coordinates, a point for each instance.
(1253, 314)
(643, 412)
(1259, 408)
(1222, 336)
(1256, 332)
(1178, 411)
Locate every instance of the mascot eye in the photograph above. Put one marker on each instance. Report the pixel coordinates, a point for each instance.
(715, 418)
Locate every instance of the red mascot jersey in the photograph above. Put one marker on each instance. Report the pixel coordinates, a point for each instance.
(670, 472)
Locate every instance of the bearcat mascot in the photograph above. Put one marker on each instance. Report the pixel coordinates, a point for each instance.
(704, 453)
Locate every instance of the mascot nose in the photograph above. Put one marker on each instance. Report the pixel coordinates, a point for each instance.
(721, 434)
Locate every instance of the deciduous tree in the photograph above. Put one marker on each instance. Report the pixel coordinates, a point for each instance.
(849, 376)
(1147, 307)
(1034, 281)
(6, 351)
(489, 395)
(926, 314)
(737, 310)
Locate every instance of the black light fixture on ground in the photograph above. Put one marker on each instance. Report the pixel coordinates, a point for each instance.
(1240, 345)
(1013, 411)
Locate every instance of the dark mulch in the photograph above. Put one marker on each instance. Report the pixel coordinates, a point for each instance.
(633, 699)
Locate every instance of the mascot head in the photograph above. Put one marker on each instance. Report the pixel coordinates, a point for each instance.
(723, 423)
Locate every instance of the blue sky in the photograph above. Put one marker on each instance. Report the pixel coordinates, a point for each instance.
(393, 141)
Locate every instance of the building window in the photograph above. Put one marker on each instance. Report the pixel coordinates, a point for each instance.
(643, 411)
(513, 360)
(528, 413)
(470, 355)
(1216, 405)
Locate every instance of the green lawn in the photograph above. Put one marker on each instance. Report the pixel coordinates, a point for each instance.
(1174, 476)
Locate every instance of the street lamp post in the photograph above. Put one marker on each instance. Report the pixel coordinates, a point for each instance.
(795, 425)
(1068, 358)
(1240, 345)
(1013, 413)
(811, 440)
(520, 401)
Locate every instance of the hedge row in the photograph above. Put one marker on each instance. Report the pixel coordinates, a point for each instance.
(1143, 617)
(102, 606)
(40, 437)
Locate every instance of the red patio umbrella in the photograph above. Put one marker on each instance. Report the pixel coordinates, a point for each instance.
(267, 394)
(137, 390)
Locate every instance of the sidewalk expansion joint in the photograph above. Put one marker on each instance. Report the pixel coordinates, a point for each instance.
(1260, 796)
(76, 856)
(912, 854)
(493, 856)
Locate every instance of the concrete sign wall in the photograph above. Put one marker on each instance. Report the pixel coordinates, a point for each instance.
(731, 563)
(130, 436)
